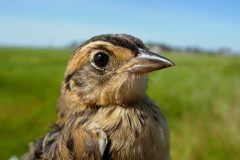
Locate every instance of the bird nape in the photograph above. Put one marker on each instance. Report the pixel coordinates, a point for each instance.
(103, 109)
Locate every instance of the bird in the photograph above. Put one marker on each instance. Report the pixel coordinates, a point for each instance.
(103, 111)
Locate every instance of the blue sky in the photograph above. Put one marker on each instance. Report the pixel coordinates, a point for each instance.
(210, 24)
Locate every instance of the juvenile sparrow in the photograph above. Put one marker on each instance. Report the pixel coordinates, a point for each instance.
(103, 110)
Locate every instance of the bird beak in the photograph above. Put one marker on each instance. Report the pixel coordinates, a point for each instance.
(145, 62)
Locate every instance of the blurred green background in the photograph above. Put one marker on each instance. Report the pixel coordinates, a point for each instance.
(200, 96)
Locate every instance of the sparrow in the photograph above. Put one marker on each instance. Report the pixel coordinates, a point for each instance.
(103, 111)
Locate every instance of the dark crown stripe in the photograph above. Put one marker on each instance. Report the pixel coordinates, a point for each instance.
(122, 40)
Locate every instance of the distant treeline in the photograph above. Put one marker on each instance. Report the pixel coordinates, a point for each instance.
(162, 47)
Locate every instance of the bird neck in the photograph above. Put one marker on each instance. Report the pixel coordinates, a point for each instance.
(125, 91)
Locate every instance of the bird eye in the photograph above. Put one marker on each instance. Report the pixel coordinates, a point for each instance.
(101, 59)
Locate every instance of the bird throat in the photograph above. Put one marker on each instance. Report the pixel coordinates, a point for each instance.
(128, 89)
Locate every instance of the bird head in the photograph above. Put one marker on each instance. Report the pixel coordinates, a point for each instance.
(110, 69)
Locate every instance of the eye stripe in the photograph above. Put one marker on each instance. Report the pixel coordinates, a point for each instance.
(103, 48)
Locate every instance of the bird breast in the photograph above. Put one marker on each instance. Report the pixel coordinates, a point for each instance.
(134, 132)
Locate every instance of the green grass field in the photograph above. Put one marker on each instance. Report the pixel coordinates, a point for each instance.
(200, 98)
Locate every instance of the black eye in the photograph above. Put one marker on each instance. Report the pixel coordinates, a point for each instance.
(101, 59)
